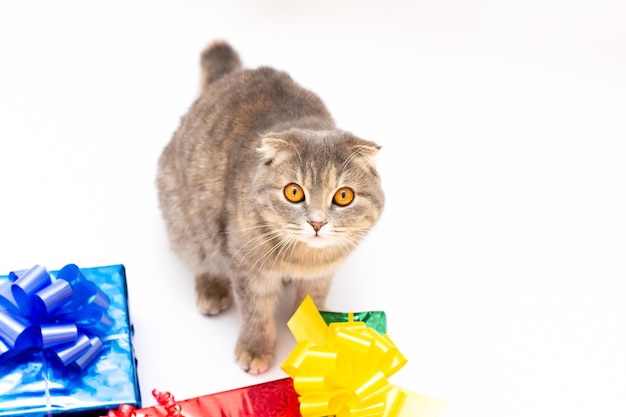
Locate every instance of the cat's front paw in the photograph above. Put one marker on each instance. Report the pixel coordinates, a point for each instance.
(254, 362)
(211, 306)
(213, 294)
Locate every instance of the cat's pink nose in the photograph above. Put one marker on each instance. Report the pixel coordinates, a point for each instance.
(317, 225)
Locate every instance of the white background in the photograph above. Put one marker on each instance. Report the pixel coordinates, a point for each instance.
(500, 258)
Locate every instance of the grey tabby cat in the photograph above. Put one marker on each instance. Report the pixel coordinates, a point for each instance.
(259, 188)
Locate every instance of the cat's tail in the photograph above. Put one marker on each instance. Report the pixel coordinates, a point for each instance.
(218, 59)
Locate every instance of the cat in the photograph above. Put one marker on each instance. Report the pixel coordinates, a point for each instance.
(258, 188)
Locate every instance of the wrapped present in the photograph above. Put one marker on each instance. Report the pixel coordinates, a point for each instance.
(269, 399)
(66, 342)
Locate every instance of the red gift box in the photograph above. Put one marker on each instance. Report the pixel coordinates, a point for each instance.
(270, 399)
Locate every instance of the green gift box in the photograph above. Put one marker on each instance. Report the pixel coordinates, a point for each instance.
(376, 320)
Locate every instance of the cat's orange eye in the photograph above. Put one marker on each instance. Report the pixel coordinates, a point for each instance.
(343, 196)
(294, 193)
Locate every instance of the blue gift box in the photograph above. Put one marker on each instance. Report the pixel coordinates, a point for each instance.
(66, 342)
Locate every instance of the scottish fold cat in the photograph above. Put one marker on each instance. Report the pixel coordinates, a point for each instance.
(259, 188)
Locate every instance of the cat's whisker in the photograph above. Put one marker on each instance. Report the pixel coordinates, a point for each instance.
(257, 241)
(265, 257)
(290, 243)
(297, 152)
(293, 249)
(350, 158)
(252, 244)
(285, 245)
(348, 243)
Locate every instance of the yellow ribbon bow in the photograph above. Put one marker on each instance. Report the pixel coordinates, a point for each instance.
(341, 369)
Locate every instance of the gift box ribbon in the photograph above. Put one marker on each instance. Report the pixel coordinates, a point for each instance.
(65, 316)
(342, 369)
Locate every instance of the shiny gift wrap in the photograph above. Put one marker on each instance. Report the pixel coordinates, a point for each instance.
(65, 342)
(269, 399)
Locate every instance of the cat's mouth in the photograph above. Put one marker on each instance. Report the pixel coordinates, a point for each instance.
(317, 241)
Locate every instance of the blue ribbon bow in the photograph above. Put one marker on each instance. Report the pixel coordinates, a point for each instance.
(66, 316)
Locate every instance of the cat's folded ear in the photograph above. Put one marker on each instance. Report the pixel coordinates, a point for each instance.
(272, 149)
(367, 150)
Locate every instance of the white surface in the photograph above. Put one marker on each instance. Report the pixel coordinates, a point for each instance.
(500, 258)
